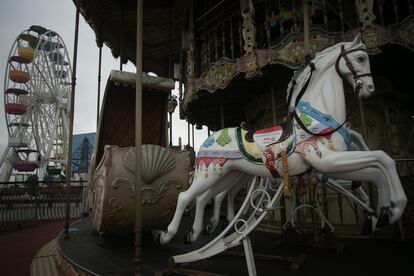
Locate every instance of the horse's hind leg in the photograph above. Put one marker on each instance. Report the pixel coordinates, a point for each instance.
(225, 183)
(215, 218)
(199, 186)
(230, 192)
(232, 195)
(334, 162)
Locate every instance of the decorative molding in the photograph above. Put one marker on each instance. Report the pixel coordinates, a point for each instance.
(218, 75)
(290, 53)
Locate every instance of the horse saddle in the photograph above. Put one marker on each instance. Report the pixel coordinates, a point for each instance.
(252, 142)
(271, 135)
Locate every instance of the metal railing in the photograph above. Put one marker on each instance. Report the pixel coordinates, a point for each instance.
(25, 204)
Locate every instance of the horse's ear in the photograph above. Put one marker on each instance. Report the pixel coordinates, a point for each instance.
(357, 39)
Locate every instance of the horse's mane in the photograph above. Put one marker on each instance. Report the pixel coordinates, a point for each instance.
(301, 75)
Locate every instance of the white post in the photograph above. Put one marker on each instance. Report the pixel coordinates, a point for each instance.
(248, 252)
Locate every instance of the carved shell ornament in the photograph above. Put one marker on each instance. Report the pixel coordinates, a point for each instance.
(156, 162)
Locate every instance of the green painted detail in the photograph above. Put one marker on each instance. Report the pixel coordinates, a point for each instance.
(306, 120)
(224, 137)
(247, 155)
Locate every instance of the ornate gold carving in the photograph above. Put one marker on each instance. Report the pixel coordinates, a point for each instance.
(118, 214)
(190, 55)
(218, 75)
(153, 196)
(364, 10)
(130, 187)
(293, 52)
(370, 38)
(405, 33)
(249, 29)
(249, 37)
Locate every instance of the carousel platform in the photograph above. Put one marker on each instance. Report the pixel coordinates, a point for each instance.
(88, 253)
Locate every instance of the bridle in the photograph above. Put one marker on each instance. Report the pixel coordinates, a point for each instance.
(344, 54)
(358, 83)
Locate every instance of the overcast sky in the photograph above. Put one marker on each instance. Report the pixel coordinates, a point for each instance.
(59, 15)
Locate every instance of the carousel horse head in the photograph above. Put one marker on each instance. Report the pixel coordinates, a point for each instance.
(352, 65)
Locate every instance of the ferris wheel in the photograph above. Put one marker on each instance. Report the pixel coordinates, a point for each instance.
(37, 87)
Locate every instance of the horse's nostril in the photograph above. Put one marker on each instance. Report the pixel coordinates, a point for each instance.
(371, 87)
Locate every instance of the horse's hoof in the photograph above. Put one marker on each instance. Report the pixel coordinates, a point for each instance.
(356, 185)
(156, 236)
(384, 217)
(367, 228)
(208, 229)
(187, 237)
(186, 212)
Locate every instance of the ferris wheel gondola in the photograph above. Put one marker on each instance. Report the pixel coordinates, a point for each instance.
(36, 103)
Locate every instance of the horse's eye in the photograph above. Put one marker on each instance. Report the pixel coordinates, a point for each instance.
(361, 59)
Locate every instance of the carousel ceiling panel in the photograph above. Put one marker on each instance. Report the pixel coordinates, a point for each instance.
(114, 21)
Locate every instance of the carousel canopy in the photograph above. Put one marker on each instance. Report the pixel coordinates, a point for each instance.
(114, 24)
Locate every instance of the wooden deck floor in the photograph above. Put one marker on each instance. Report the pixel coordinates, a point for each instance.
(113, 256)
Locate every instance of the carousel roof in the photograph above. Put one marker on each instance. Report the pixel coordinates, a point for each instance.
(114, 24)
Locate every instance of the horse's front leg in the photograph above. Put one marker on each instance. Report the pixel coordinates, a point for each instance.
(226, 182)
(201, 183)
(352, 164)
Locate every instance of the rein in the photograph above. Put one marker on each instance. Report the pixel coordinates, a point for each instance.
(351, 68)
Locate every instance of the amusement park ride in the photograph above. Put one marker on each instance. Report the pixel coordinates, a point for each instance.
(36, 103)
(282, 84)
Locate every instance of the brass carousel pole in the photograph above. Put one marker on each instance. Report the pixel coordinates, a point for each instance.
(188, 133)
(138, 140)
(306, 26)
(99, 84)
(192, 127)
(71, 111)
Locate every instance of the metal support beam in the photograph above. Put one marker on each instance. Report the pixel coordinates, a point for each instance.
(193, 135)
(99, 86)
(71, 113)
(121, 42)
(171, 138)
(188, 133)
(282, 199)
(138, 140)
(306, 26)
(248, 252)
(222, 116)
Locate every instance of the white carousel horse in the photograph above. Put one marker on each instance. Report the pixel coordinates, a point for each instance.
(315, 137)
(361, 198)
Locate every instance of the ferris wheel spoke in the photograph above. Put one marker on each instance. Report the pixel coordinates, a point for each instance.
(45, 59)
(45, 81)
(52, 135)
